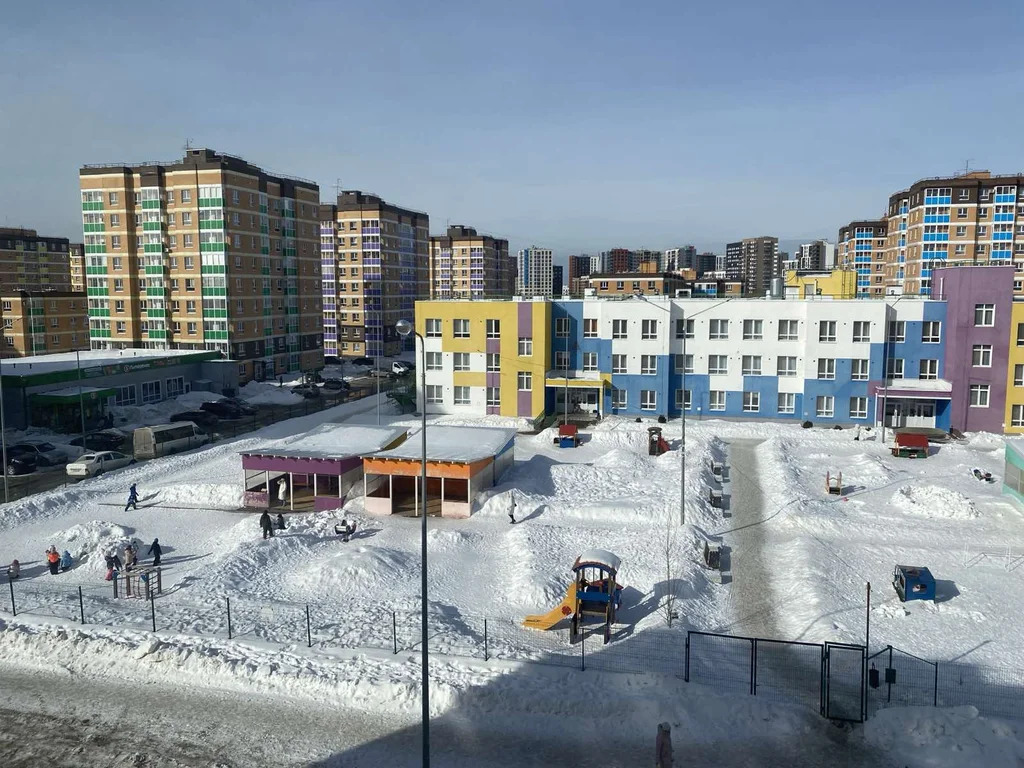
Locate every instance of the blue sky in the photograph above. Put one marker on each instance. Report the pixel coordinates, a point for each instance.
(578, 126)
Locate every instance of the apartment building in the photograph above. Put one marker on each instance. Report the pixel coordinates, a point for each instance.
(206, 253)
(44, 322)
(862, 247)
(581, 266)
(816, 256)
(631, 283)
(33, 262)
(683, 257)
(755, 261)
(533, 272)
(972, 219)
(76, 261)
(375, 260)
(468, 265)
(557, 280)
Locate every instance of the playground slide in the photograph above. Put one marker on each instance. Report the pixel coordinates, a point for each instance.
(551, 618)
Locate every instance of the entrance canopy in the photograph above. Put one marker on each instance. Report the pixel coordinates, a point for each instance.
(70, 395)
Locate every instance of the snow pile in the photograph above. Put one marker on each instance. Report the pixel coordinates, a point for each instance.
(933, 501)
(262, 393)
(88, 542)
(200, 496)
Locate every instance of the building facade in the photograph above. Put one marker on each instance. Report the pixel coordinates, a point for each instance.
(533, 272)
(817, 256)
(862, 248)
(375, 259)
(33, 262)
(44, 322)
(467, 265)
(683, 257)
(755, 261)
(631, 283)
(557, 280)
(206, 253)
(76, 261)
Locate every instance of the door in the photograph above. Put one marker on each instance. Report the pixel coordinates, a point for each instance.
(921, 414)
(895, 414)
(843, 687)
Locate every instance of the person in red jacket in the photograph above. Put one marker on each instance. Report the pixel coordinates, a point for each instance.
(53, 560)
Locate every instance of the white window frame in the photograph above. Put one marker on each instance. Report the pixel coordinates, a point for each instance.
(860, 369)
(825, 406)
(753, 330)
(826, 331)
(718, 365)
(718, 329)
(460, 328)
(648, 329)
(751, 365)
(928, 369)
(460, 361)
(648, 400)
(787, 403)
(861, 411)
(432, 329)
(980, 395)
(751, 402)
(783, 367)
(826, 368)
(620, 329)
(461, 395)
(981, 356)
(984, 315)
(434, 394)
(792, 332)
(526, 346)
(648, 365)
(861, 331)
(524, 381)
(620, 364)
(434, 361)
(717, 400)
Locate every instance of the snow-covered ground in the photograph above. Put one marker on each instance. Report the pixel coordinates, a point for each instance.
(814, 552)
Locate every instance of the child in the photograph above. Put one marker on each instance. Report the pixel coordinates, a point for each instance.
(14, 570)
(66, 561)
(133, 498)
(53, 560)
(280, 522)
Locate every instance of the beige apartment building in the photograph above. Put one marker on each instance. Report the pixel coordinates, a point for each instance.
(44, 322)
(468, 265)
(375, 258)
(206, 253)
(861, 248)
(33, 262)
(974, 218)
(76, 261)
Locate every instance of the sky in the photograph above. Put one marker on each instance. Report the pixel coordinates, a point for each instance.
(579, 126)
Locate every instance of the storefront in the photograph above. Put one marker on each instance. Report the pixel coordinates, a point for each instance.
(61, 410)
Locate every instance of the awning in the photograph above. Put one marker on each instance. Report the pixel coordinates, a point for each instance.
(71, 396)
(915, 389)
(572, 383)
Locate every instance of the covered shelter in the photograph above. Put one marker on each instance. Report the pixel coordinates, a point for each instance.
(317, 471)
(461, 462)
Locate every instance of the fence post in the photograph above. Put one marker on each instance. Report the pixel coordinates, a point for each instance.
(81, 605)
(686, 667)
(159, 580)
(152, 608)
(309, 633)
(10, 583)
(583, 649)
(485, 640)
(753, 667)
(935, 694)
(228, 601)
(394, 630)
(888, 685)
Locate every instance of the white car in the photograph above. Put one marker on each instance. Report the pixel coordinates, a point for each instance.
(93, 464)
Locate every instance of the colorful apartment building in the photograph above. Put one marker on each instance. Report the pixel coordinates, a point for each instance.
(861, 248)
(33, 262)
(44, 322)
(468, 265)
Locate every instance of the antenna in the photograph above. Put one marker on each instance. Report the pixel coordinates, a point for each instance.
(337, 187)
(188, 144)
(967, 165)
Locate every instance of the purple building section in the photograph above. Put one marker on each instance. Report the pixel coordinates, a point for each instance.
(524, 402)
(493, 379)
(301, 465)
(964, 289)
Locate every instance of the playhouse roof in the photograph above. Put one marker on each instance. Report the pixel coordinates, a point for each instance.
(601, 557)
(331, 441)
(458, 444)
(911, 440)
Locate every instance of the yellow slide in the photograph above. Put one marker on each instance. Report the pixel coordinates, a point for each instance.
(562, 611)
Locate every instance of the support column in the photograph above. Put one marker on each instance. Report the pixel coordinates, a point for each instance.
(442, 495)
(291, 492)
(416, 494)
(314, 488)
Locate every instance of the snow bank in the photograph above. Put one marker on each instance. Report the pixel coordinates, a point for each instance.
(262, 393)
(933, 501)
(88, 542)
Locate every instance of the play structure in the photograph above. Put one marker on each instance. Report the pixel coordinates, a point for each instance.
(594, 592)
(910, 446)
(568, 436)
(834, 483)
(656, 444)
(913, 583)
(715, 498)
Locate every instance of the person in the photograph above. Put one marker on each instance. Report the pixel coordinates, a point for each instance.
(512, 511)
(133, 498)
(857, 435)
(109, 420)
(280, 522)
(129, 557)
(345, 530)
(66, 561)
(14, 570)
(155, 551)
(113, 561)
(266, 525)
(53, 560)
(663, 746)
(282, 491)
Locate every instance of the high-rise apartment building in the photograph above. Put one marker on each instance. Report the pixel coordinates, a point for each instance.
(44, 322)
(684, 257)
(817, 256)
(861, 248)
(705, 262)
(33, 262)
(468, 265)
(76, 261)
(209, 252)
(557, 280)
(975, 218)
(375, 259)
(580, 266)
(618, 260)
(755, 261)
(533, 272)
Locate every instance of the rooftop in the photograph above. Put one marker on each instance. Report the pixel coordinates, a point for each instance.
(332, 441)
(458, 444)
(89, 358)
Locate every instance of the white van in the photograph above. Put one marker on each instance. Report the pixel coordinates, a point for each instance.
(151, 442)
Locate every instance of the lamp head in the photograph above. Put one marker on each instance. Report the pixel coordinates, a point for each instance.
(404, 327)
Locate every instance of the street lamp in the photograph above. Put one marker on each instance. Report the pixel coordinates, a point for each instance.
(404, 328)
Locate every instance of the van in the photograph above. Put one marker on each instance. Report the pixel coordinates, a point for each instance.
(402, 367)
(152, 442)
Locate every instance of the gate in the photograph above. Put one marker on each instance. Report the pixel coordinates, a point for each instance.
(843, 686)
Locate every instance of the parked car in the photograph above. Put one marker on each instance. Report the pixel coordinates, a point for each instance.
(402, 367)
(363, 362)
(20, 464)
(308, 391)
(202, 418)
(222, 410)
(94, 464)
(332, 360)
(337, 385)
(246, 408)
(100, 441)
(380, 373)
(46, 454)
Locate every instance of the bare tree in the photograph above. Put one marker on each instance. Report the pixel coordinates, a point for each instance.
(668, 606)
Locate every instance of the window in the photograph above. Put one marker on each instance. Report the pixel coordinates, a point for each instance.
(931, 331)
(961, 213)
(494, 329)
(861, 331)
(151, 391)
(619, 399)
(979, 395)
(684, 328)
(1017, 416)
(752, 329)
(683, 363)
(186, 218)
(494, 397)
(190, 283)
(786, 366)
(618, 329)
(121, 326)
(175, 386)
(112, 197)
(718, 329)
(716, 400)
(189, 262)
(433, 361)
(929, 369)
(1018, 375)
(115, 242)
(461, 395)
(460, 361)
(525, 346)
(119, 305)
(648, 364)
(718, 364)
(897, 330)
(125, 395)
(751, 365)
(788, 330)
(493, 362)
(981, 356)
(460, 328)
(648, 400)
(858, 407)
(433, 328)
(187, 239)
(190, 306)
(827, 368)
(562, 327)
(684, 399)
(118, 284)
(751, 402)
(894, 370)
(435, 393)
(524, 380)
(787, 402)
(561, 360)
(589, 361)
(618, 363)
(827, 330)
(824, 406)
(590, 328)
(649, 329)
(961, 231)
(859, 369)
(984, 315)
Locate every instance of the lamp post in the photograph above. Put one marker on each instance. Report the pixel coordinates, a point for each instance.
(404, 328)
(81, 399)
(3, 437)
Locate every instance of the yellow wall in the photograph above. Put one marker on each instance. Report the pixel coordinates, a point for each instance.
(839, 284)
(1014, 395)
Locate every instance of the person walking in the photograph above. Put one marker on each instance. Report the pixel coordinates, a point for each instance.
(155, 551)
(66, 561)
(512, 511)
(133, 498)
(129, 557)
(266, 525)
(53, 561)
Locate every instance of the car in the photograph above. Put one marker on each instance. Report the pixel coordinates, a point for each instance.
(222, 410)
(363, 362)
(247, 409)
(402, 367)
(380, 373)
(308, 391)
(94, 464)
(46, 454)
(202, 418)
(332, 360)
(99, 441)
(337, 385)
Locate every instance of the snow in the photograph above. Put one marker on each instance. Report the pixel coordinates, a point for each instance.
(933, 501)
(458, 444)
(262, 393)
(333, 441)
(89, 358)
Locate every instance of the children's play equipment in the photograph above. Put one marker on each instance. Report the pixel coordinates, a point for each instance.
(986, 476)
(717, 469)
(910, 446)
(913, 583)
(656, 444)
(834, 483)
(715, 497)
(594, 592)
(568, 436)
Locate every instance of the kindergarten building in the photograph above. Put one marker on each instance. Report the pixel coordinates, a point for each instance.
(955, 361)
